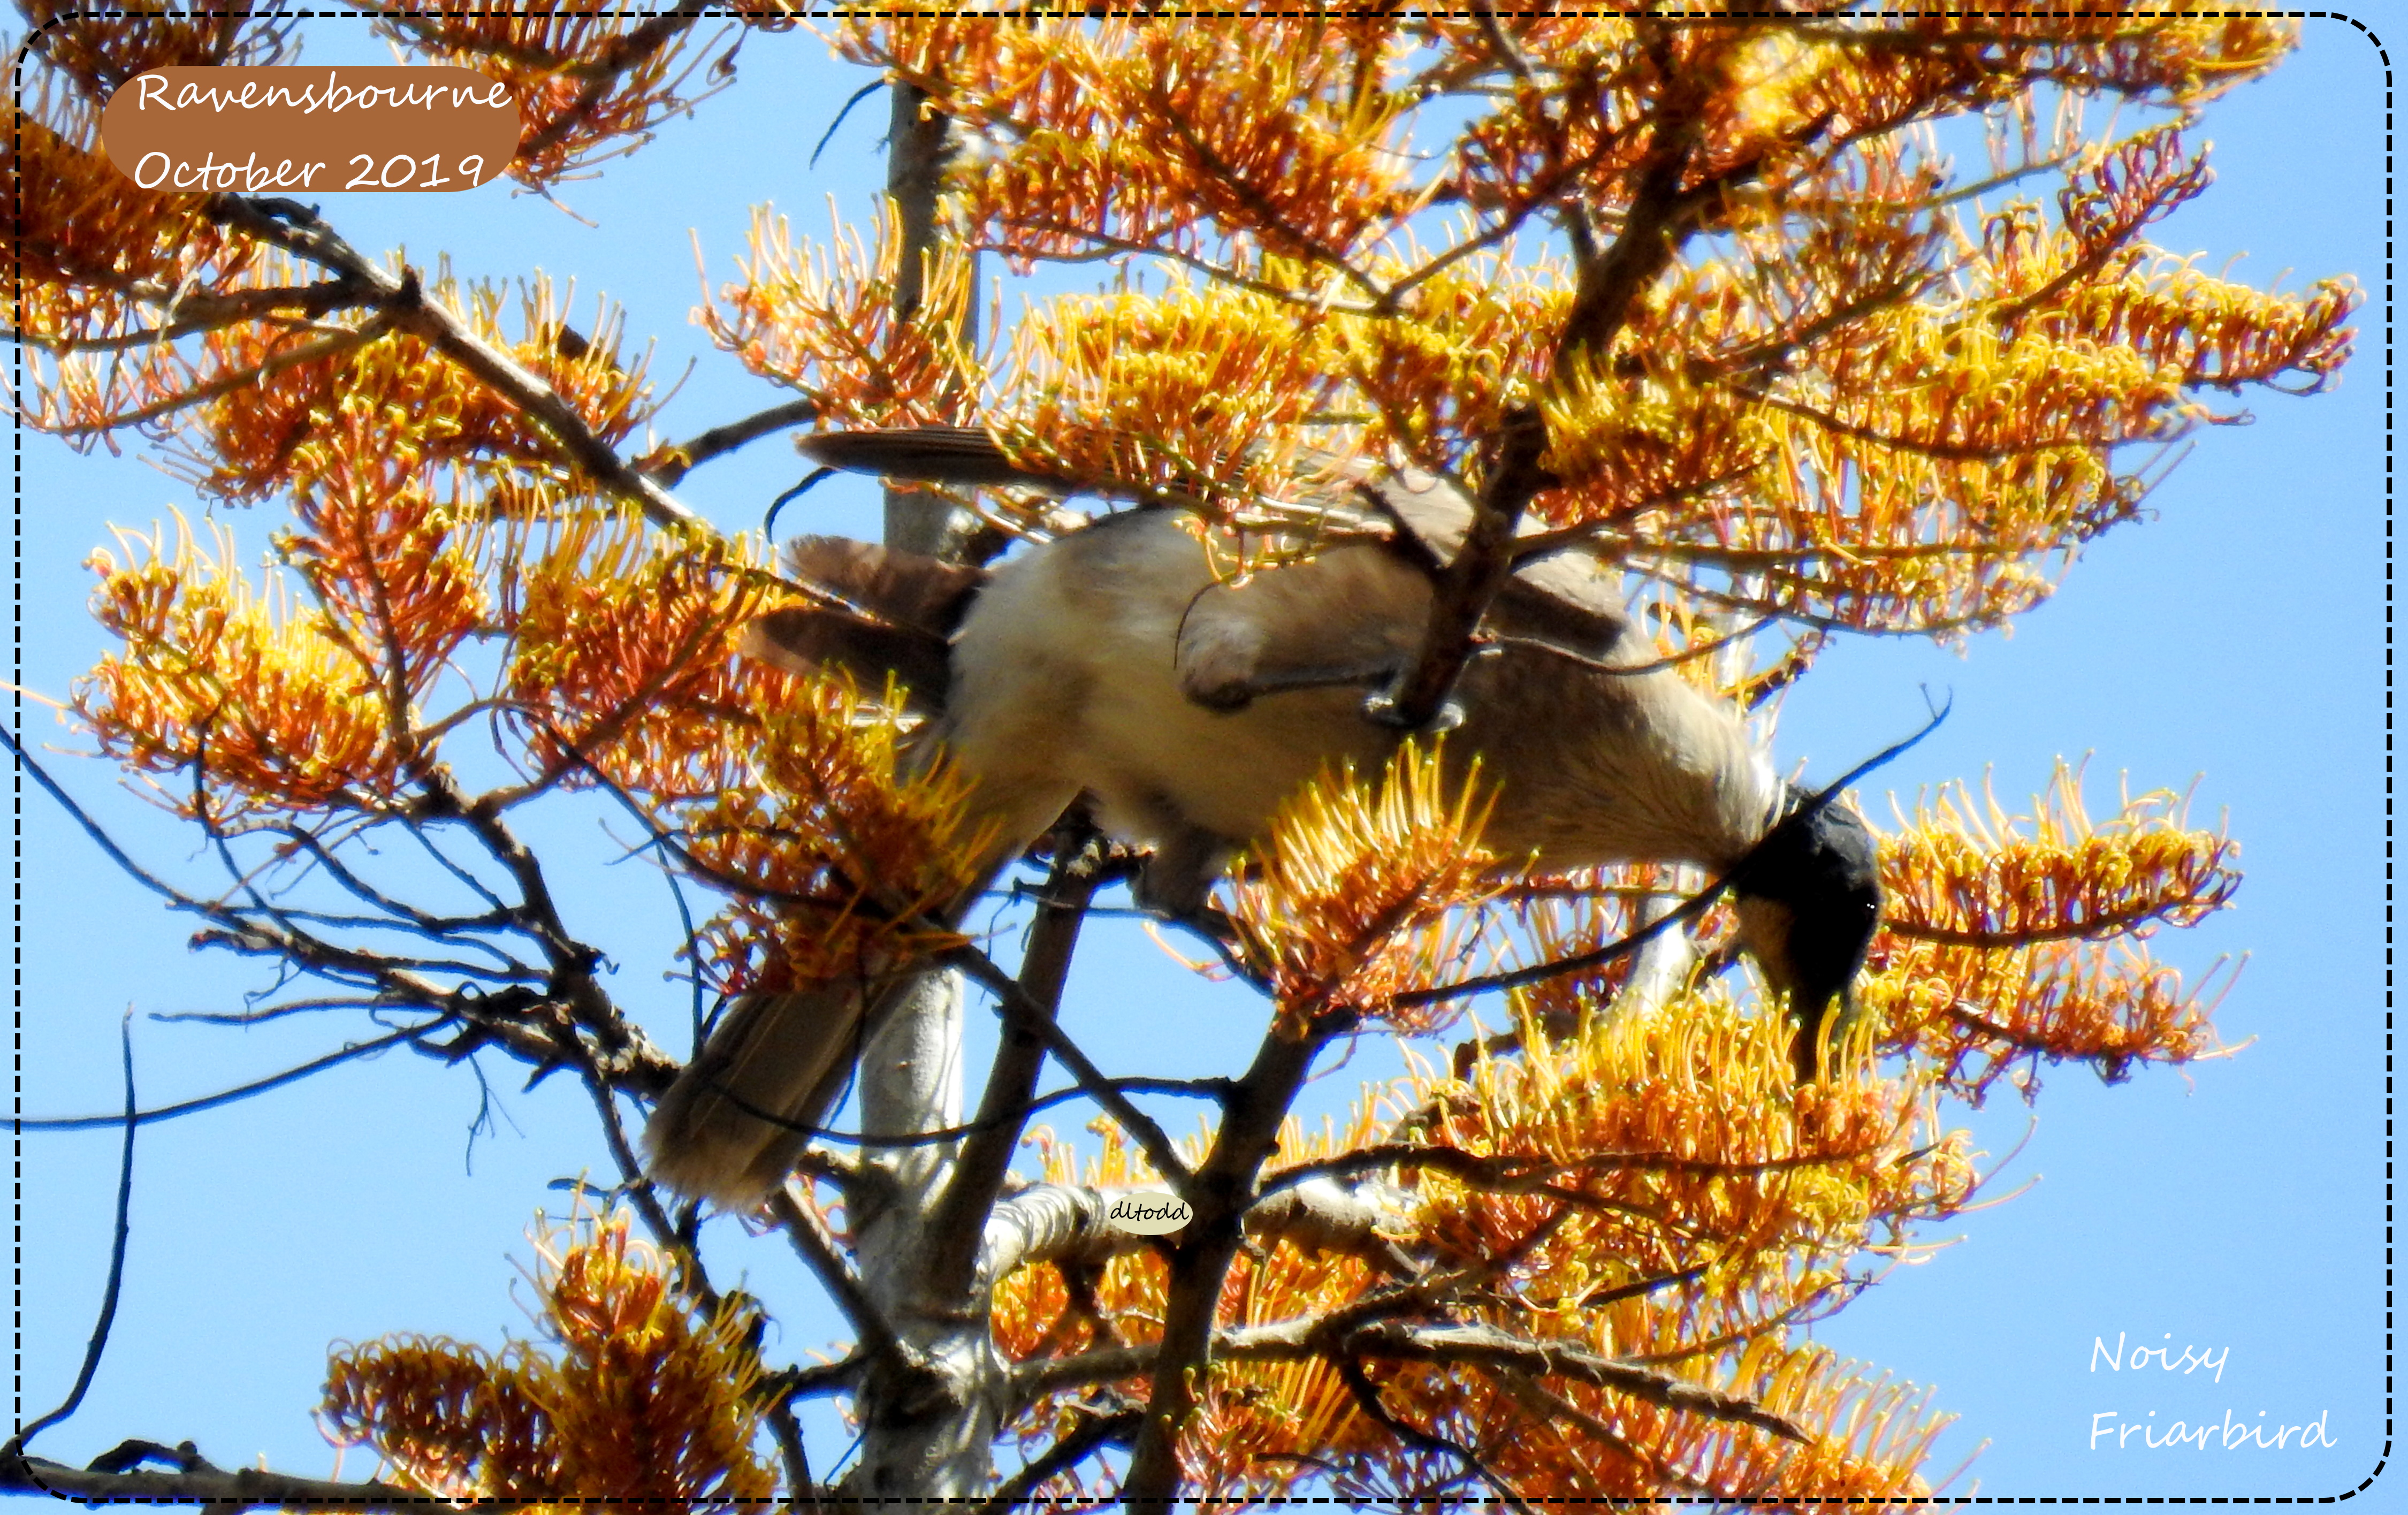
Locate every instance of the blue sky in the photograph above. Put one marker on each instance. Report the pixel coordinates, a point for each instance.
(2238, 639)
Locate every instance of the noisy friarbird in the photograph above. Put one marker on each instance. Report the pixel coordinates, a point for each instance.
(1122, 662)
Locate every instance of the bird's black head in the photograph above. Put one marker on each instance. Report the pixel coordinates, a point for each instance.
(1808, 897)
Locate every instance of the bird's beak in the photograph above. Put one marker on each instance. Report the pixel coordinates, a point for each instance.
(1820, 1032)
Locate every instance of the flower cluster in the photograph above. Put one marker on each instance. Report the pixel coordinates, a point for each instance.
(632, 1396)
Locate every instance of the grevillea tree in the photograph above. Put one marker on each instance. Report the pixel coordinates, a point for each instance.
(1715, 301)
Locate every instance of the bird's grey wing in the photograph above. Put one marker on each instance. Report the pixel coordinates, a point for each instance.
(1566, 597)
(1350, 616)
(1563, 598)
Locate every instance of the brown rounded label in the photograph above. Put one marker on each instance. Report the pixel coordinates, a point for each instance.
(310, 131)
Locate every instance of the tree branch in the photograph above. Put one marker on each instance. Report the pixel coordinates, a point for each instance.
(1345, 1333)
(1092, 1433)
(1048, 1223)
(298, 230)
(1367, 1399)
(615, 58)
(979, 1169)
(1321, 1215)
(1224, 1188)
(1470, 582)
(819, 1253)
(1515, 1172)
(1020, 1011)
(1650, 229)
(684, 458)
(99, 1343)
(194, 1481)
(241, 1091)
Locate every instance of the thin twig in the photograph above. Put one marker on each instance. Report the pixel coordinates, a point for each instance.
(241, 1092)
(1224, 1188)
(1091, 1435)
(198, 312)
(98, 1344)
(1021, 1011)
(1632, 670)
(1367, 1399)
(1516, 1172)
(685, 457)
(813, 1244)
(1469, 583)
(615, 58)
(273, 1012)
(1489, 1347)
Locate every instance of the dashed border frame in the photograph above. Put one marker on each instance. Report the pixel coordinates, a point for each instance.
(17, 710)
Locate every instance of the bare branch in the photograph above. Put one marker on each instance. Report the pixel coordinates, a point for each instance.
(194, 1481)
(1200, 1261)
(1092, 1433)
(685, 457)
(411, 1035)
(99, 1343)
(401, 303)
(1468, 584)
(1050, 1223)
(1515, 1172)
(1367, 1399)
(1345, 1333)
(819, 1253)
(1024, 1013)
(1321, 1214)
(979, 1169)
(325, 857)
(1549, 1407)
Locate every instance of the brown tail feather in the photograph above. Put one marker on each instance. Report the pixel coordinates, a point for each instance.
(801, 638)
(926, 454)
(781, 1056)
(897, 616)
(903, 589)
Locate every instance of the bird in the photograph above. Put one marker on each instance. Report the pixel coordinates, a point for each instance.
(1122, 664)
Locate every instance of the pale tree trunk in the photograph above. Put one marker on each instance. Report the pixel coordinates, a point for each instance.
(928, 1423)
